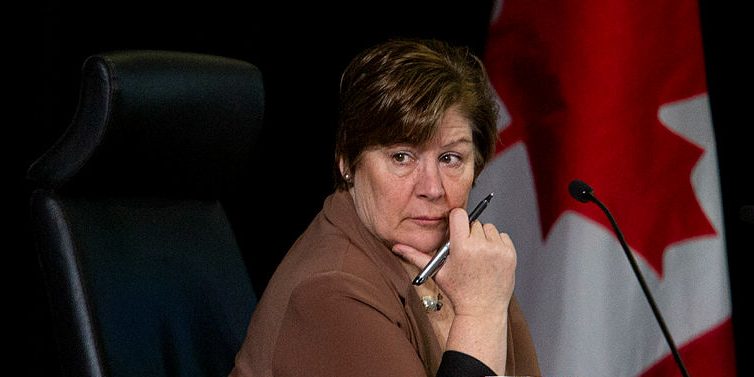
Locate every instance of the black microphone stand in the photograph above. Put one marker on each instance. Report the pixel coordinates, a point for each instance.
(583, 193)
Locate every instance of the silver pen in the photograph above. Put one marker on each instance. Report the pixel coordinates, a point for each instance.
(439, 259)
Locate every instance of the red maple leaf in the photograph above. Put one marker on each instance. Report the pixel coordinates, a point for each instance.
(583, 82)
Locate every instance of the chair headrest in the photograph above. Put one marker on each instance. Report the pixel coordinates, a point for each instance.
(153, 122)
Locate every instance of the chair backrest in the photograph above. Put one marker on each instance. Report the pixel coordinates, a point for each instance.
(142, 268)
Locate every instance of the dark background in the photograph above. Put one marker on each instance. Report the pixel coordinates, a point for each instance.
(301, 50)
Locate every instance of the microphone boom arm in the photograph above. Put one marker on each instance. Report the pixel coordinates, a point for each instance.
(583, 193)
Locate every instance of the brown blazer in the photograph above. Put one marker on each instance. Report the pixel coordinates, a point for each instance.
(341, 304)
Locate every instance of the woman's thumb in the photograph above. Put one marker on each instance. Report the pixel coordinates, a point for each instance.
(411, 255)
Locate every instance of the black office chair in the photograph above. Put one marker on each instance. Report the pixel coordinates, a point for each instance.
(142, 268)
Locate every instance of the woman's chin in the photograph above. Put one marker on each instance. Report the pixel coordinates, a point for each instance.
(428, 247)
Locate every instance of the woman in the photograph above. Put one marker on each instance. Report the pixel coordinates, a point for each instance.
(417, 125)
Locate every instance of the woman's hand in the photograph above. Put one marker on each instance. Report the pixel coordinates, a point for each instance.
(478, 276)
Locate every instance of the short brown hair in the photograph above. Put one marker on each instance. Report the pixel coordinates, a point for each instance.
(397, 92)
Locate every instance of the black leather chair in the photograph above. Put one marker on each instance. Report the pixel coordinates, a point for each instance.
(143, 270)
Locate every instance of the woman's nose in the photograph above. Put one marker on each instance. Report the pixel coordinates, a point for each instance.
(429, 181)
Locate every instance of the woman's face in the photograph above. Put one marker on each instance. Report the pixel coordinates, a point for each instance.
(403, 193)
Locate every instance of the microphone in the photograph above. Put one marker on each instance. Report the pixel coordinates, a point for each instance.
(580, 191)
(584, 193)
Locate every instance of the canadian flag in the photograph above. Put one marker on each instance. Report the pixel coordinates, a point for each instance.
(612, 92)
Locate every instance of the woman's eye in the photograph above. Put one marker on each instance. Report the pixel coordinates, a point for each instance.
(450, 159)
(400, 157)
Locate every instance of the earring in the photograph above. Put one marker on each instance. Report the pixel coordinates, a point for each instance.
(347, 177)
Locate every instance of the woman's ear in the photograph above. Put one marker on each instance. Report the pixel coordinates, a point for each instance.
(343, 169)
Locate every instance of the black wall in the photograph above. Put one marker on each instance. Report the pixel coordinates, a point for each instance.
(726, 34)
(300, 49)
